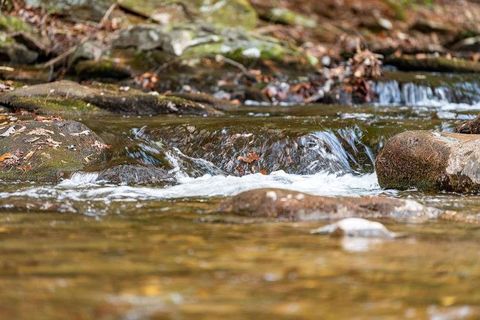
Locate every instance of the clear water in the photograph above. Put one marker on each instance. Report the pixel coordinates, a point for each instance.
(84, 250)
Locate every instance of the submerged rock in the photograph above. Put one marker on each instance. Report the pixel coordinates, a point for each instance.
(430, 161)
(47, 150)
(356, 227)
(136, 175)
(288, 205)
(60, 97)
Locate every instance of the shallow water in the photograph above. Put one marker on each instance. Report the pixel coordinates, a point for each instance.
(121, 252)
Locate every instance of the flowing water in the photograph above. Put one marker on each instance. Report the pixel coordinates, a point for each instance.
(81, 250)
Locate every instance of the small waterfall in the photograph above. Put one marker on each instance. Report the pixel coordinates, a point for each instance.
(412, 94)
(229, 151)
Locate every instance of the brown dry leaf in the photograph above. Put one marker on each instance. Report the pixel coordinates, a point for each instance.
(6, 156)
(250, 158)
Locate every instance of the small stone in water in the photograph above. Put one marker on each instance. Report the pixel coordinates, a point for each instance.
(356, 227)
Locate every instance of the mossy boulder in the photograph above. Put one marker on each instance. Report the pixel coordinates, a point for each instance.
(47, 150)
(430, 161)
(194, 41)
(48, 99)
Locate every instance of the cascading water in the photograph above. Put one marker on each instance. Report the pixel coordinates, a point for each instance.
(321, 162)
(457, 96)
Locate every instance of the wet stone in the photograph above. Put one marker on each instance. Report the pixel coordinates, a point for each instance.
(357, 228)
(136, 175)
(430, 161)
(285, 205)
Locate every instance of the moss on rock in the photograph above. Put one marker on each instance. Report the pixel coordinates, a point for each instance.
(47, 99)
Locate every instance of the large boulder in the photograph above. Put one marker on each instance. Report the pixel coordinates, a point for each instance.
(285, 205)
(430, 161)
(47, 150)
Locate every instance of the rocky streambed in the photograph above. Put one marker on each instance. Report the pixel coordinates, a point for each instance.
(128, 204)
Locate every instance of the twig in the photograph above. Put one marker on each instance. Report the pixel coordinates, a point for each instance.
(236, 64)
(61, 57)
(107, 15)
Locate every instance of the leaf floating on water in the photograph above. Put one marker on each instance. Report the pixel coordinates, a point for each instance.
(250, 158)
(356, 227)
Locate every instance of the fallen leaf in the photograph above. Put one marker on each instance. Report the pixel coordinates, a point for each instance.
(41, 132)
(8, 132)
(5, 156)
(250, 158)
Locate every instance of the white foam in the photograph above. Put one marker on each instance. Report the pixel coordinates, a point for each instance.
(79, 188)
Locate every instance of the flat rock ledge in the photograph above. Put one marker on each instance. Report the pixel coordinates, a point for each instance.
(430, 161)
(285, 205)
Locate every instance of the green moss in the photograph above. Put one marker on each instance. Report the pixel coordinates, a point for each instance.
(69, 108)
(289, 17)
(13, 24)
(245, 49)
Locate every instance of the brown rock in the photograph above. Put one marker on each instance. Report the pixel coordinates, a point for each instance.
(430, 161)
(288, 205)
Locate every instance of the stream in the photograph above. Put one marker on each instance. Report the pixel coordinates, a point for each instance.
(125, 252)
